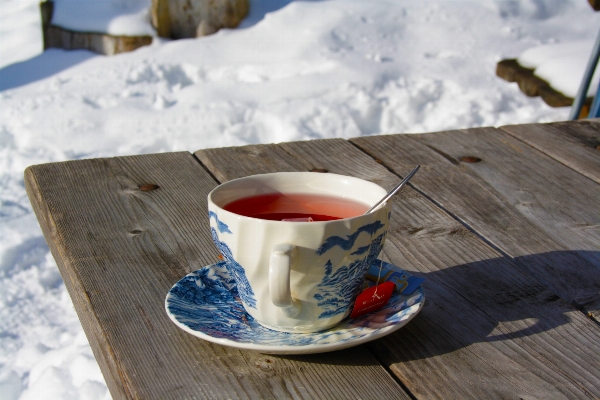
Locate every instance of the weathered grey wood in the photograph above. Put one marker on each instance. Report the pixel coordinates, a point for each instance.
(123, 231)
(517, 198)
(247, 160)
(574, 143)
(495, 288)
(476, 336)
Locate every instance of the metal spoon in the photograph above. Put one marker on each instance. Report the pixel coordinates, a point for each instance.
(394, 190)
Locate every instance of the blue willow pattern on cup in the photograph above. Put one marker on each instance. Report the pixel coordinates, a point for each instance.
(235, 269)
(207, 301)
(348, 242)
(339, 288)
(221, 226)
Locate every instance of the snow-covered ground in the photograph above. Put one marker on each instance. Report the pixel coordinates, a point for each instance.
(295, 70)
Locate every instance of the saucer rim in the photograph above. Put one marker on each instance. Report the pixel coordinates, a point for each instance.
(305, 348)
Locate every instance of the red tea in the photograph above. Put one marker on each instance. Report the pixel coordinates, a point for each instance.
(300, 207)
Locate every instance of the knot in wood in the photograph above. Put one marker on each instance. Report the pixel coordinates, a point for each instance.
(264, 365)
(147, 187)
(470, 159)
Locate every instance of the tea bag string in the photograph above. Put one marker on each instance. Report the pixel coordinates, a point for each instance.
(378, 277)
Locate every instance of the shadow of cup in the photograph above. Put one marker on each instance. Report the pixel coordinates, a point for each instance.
(491, 300)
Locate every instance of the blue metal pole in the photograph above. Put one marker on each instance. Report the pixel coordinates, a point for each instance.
(595, 109)
(585, 83)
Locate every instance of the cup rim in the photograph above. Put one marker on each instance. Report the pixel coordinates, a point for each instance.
(224, 185)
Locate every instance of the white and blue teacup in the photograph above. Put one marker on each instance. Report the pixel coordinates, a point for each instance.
(298, 276)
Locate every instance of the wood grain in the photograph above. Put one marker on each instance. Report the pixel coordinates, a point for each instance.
(120, 249)
(228, 163)
(487, 330)
(575, 144)
(518, 199)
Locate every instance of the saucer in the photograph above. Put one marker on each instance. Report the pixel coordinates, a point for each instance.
(206, 304)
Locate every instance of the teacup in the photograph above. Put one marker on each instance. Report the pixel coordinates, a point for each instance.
(298, 276)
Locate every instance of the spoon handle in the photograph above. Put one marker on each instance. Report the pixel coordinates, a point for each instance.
(394, 190)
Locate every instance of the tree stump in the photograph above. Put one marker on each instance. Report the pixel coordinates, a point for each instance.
(178, 19)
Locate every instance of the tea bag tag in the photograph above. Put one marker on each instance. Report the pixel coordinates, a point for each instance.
(308, 219)
(406, 284)
(372, 299)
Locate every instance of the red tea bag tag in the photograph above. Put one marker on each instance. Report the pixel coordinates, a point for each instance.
(372, 299)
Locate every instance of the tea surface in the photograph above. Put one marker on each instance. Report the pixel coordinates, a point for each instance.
(279, 206)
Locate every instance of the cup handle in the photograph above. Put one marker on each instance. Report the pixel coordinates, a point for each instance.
(280, 266)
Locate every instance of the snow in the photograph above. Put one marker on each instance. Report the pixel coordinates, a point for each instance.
(295, 70)
(115, 17)
(20, 32)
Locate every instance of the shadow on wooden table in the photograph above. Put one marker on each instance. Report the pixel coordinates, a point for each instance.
(489, 301)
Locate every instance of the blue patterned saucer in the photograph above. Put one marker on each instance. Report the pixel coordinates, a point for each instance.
(206, 304)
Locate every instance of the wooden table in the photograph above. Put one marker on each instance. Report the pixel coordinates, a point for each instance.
(503, 223)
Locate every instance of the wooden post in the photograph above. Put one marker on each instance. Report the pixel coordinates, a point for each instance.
(178, 19)
(161, 18)
(46, 11)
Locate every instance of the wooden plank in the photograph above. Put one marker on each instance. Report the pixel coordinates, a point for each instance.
(477, 335)
(573, 143)
(538, 211)
(246, 160)
(123, 231)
